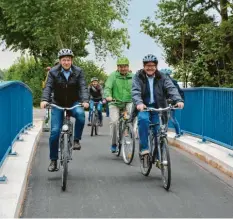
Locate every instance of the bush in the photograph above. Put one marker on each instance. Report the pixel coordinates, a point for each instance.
(27, 70)
(32, 73)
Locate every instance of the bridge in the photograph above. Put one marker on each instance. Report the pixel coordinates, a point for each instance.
(99, 183)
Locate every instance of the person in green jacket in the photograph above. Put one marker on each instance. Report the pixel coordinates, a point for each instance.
(118, 87)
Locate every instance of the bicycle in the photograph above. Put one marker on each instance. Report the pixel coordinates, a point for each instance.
(126, 137)
(95, 119)
(158, 155)
(66, 142)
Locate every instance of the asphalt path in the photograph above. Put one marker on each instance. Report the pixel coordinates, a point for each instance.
(101, 185)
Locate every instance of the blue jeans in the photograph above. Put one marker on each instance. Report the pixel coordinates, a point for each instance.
(99, 109)
(175, 122)
(144, 120)
(56, 125)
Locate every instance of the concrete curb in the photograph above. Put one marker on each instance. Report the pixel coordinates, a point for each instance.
(202, 155)
(17, 169)
(19, 208)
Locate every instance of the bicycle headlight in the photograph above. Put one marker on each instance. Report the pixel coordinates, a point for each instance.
(65, 128)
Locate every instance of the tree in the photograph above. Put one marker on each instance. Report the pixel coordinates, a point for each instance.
(91, 70)
(44, 26)
(32, 73)
(1, 75)
(195, 43)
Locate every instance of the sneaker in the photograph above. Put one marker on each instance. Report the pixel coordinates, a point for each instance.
(100, 124)
(77, 145)
(53, 166)
(144, 152)
(113, 148)
(89, 124)
(177, 136)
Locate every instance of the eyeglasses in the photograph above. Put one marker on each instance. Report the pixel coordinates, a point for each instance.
(150, 66)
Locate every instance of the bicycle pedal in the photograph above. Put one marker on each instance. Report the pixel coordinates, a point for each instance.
(129, 156)
(158, 164)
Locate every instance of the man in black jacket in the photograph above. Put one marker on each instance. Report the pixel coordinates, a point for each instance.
(68, 85)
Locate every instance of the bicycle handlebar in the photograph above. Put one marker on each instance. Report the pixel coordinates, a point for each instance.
(151, 109)
(62, 108)
(119, 101)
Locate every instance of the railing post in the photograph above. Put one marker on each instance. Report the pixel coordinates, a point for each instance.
(3, 179)
(203, 115)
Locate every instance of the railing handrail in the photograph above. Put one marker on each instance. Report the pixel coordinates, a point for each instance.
(208, 113)
(5, 84)
(17, 96)
(208, 88)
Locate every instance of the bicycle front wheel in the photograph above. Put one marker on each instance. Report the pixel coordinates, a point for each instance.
(65, 156)
(128, 144)
(96, 124)
(146, 160)
(120, 128)
(93, 122)
(165, 163)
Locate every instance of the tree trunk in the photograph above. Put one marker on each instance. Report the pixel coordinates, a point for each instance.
(223, 10)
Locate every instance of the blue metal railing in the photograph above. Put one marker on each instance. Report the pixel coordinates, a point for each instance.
(16, 112)
(208, 114)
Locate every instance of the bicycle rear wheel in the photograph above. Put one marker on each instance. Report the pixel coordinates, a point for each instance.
(128, 144)
(65, 156)
(165, 163)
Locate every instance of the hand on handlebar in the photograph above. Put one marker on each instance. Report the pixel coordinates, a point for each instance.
(43, 104)
(85, 105)
(180, 105)
(141, 107)
(109, 99)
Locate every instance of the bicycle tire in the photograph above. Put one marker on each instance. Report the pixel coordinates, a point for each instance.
(92, 124)
(96, 124)
(146, 171)
(164, 148)
(128, 158)
(118, 152)
(65, 162)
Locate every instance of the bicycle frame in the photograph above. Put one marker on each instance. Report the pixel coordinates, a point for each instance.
(67, 127)
(162, 131)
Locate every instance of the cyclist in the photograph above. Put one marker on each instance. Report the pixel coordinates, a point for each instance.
(176, 125)
(118, 86)
(47, 73)
(96, 95)
(150, 89)
(68, 85)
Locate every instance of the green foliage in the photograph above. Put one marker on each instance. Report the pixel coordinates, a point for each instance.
(27, 70)
(2, 75)
(32, 73)
(91, 70)
(195, 43)
(44, 26)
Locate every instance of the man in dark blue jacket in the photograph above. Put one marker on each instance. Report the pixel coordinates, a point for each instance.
(150, 89)
(68, 85)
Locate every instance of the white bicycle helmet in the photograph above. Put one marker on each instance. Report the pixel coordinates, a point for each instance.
(65, 52)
